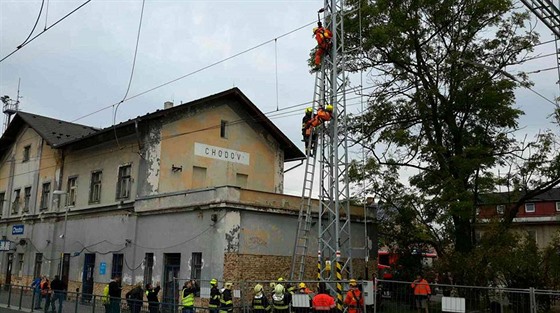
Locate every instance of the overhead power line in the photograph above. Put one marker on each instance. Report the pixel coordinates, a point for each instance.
(196, 71)
(34, 26)
(44, 31)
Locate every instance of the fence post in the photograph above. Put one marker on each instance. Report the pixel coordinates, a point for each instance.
(76, 305)
(532, 300)
(9, 295)
(93, 304)
(33, 300)
(375, 291)
(20, 297)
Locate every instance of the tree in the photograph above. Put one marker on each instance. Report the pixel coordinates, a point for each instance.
(442, 111)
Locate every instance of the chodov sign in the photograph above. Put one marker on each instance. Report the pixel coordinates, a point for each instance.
(219, 153)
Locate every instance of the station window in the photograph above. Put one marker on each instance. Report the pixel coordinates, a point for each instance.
(95, 188)
(26, 153)
(46, 191)
(223, 132)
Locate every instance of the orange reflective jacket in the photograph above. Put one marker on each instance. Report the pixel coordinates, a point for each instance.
(421, 288)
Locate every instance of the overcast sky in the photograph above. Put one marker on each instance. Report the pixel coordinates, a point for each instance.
(84, 63)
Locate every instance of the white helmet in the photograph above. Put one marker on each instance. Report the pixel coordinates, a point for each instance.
(279, 289)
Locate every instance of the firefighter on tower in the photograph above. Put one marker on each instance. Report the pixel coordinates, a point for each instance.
(307, 135)
(323, 37)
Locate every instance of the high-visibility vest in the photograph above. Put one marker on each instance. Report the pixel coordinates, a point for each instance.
(226, 301)
(279, 302)
(260, 303)
(105, 297)
(187, 301)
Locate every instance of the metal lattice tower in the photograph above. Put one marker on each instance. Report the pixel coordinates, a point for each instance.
(549, 14)
(334, 193)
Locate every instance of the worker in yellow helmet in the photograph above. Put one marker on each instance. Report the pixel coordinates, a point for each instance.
(215, 296)
(323, 36)
(260, 301)
(303, 290)
(227, 299)
(281, 300)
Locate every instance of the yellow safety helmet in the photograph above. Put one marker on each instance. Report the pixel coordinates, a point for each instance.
(315, 29)
(353, 282)
(309, 110)
(280, 279)
(329, 108)
(301, 285)
(228, 285)
(258, 288)
(213, 281)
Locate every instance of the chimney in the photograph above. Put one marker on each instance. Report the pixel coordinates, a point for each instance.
(167, 105)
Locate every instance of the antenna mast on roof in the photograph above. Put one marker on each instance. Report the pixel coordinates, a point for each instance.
(10, 107)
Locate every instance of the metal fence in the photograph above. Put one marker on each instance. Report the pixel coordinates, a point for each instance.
(398, 296)
(380, 296)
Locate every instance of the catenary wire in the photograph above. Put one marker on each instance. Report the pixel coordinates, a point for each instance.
(35, 25)
(131, 73)
(196, 71)
(45, 30)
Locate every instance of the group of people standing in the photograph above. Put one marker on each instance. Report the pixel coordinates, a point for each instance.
(281, 299)
(135, 297)
(51, 291)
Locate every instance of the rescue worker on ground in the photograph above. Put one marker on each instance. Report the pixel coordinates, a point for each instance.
(215, 295)
(152, 296)
(134, 298)
(303, 290)
(190, 288)
(308, 135)
(226, 301)
(281, 300)
(354, 299)
(422, 293)
(323, 37)
(323, 302)
(260, 301)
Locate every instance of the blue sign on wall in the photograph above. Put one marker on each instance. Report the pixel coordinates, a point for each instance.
(18, 229)
(102, 268)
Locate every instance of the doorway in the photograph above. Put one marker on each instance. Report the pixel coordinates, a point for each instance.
(87, 277)
(171, 268)
(9, 271)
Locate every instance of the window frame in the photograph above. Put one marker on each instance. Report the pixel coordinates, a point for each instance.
(117, 265)
(71, 191)
(26, 153)
(534, 207)
(26, 198)
(196, 265)
(95, 186)
(557, 206)
(37, 268)
(122, 179)
(2, 200)
(20, 264)
(502, 208)
(223, 131)
(45, 196)
(16, 201)
(148, 267)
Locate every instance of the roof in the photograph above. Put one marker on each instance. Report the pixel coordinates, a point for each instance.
(291, 151)
(55, 132)
(511, 197)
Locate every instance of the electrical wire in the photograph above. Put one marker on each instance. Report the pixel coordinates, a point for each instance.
(197, 71)
(45, 30)
(34, 26)
(46, 15)
(131, 73)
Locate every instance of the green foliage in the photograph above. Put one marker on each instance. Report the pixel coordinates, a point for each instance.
(443, 112)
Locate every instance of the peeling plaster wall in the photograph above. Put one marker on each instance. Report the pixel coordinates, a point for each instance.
(149, 170)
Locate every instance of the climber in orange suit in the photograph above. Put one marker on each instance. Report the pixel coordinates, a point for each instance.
(323, 37)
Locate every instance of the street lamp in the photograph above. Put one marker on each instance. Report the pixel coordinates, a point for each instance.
(63, 235)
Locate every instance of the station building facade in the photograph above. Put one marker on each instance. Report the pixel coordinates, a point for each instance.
(189, 191)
